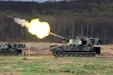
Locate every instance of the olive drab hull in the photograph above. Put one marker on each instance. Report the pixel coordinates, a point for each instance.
(74, 51)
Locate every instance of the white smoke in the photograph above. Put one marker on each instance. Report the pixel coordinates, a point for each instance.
(21, 22)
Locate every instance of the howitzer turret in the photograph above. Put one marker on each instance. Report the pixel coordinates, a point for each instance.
(80, 47)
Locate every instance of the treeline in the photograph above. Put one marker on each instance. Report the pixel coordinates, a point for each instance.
(65, 7)
(67, 18)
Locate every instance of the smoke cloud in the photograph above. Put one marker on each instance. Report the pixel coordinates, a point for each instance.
(21, 22)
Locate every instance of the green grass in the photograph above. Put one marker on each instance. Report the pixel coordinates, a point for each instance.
(48, 65)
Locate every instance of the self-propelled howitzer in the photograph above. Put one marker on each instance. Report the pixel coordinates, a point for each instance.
(79, 47)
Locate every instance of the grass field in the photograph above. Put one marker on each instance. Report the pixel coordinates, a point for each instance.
(48, 65)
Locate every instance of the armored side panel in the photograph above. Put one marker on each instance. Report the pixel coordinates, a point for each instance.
(77, 51)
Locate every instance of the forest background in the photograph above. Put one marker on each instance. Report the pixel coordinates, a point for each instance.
(68, 18)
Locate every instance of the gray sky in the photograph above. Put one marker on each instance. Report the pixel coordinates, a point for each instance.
(35, 0)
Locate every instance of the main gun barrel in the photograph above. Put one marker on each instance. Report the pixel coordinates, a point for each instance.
(66, 39)
(57, 35)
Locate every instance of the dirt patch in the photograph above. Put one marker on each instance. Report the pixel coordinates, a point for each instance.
(39, 48)
(10, 73)
(42, 48)
(106, 50)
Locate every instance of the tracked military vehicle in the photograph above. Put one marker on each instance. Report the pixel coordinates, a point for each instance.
(11, 49)
(78, 47)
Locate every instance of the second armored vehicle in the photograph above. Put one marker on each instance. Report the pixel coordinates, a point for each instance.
(11, 49)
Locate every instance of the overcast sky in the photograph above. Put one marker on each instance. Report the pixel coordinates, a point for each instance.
(35, 0)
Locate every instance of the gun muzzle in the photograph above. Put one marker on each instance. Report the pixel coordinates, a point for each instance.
(9, 16)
